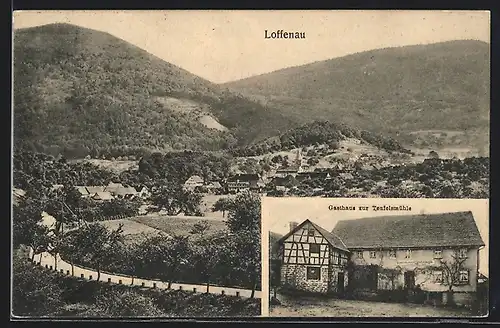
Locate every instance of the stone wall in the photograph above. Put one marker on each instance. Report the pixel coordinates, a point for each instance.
(295, 277)
(333, 283)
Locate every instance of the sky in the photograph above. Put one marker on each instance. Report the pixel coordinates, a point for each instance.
(223, 46)
(277, 213)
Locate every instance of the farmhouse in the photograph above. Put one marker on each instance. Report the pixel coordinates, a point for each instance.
(193, 182)
(313, 259)
(243, 181)
(430, 252)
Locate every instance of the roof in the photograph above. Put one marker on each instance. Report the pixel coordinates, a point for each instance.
(94, 189)
(214, 185)
(82, 190)
(103, 195)
(113, 187)
(244, 177)
(329, 236)
(124, 191)
(17, 195)
(194, 179)
(423, 230)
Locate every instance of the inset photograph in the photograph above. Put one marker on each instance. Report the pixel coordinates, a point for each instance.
(344, 257)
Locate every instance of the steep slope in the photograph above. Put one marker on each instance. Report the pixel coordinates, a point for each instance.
(79, 90)
(442, 86)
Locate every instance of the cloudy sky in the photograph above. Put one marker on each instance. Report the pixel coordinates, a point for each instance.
(223, 46)
(277, 213)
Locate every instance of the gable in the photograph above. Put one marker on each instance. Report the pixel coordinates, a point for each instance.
(321, 236)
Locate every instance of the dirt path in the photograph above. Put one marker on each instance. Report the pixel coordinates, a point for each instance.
(47, 260)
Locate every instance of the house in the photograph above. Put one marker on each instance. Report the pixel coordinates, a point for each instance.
(313, 259)
(92, 190)
(122, 192)
(284, 182)
(144, 192)
(102, 195)
(193, 182)
(301, 176)
(17, 195)
(214, 186)
(392, 252)
(242, 182)
(386, 253)
(84, 192)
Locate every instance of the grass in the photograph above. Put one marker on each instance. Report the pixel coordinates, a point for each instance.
(175, 225)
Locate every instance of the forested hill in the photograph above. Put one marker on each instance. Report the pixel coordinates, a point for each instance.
(317, 133)
(82, 91)
(441, 86)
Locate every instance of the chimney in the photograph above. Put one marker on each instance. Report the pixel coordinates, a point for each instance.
(293, 225)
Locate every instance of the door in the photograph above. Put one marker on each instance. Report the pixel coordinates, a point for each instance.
(409, 279)
(340, 283)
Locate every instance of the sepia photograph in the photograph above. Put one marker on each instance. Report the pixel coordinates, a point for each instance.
(143, 142)
(347, 257)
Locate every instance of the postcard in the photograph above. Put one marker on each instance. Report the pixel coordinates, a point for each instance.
(144, 141)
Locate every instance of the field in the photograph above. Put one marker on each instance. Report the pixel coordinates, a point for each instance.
(178, 225)
(206, 206)
(314, 307)
(116, 166)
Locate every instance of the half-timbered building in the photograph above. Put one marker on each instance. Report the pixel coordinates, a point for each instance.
(313, 259)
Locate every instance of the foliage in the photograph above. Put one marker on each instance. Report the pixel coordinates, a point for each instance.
(175, 200)
(37, 292)
(317, 132)
(83, 92)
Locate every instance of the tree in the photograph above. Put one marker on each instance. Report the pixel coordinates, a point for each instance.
(33, 292)
(175, 200)
(245, 223)
(433, 154)
(451, 273)
(222, 204)
(164, 255)
(95, 242)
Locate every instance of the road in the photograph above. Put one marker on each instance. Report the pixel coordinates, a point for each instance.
(47, 260)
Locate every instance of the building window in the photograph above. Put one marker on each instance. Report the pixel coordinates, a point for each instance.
(464, 276)
(314, 248)
(359, 254)
(392, 254)
(373, 254)
(462, 253)
(438, 276)
(311, 232)
(313, 273)
(408, 254)
(438, 254)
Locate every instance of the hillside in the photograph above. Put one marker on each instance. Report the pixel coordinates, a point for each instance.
(81, 91)
(443, 86)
